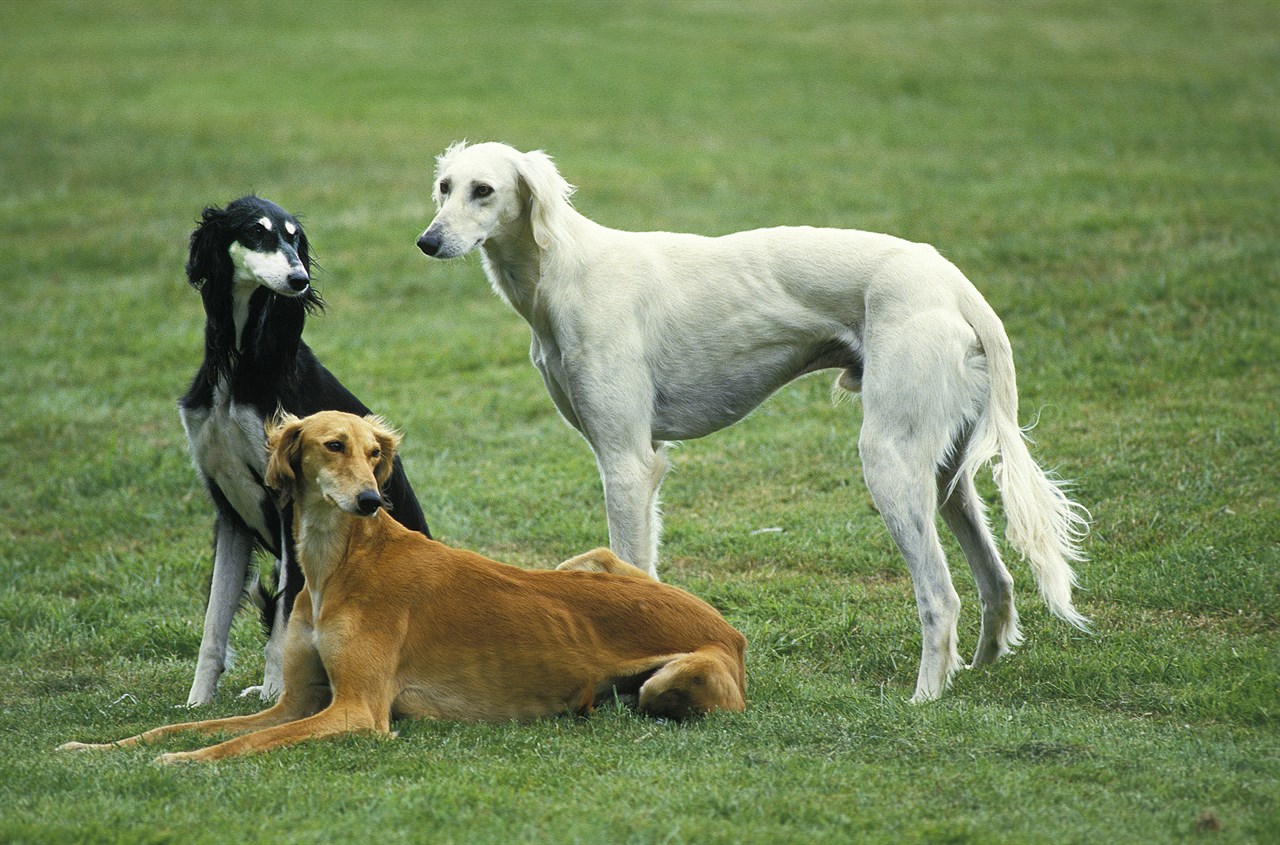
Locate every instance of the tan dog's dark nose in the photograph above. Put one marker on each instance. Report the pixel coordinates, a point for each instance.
(368, 501)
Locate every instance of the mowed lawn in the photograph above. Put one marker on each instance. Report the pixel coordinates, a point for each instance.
(1108, 174)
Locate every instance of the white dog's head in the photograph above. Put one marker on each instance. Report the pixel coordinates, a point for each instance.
(489, 190)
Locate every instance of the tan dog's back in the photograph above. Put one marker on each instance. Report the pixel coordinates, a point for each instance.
(488, 641)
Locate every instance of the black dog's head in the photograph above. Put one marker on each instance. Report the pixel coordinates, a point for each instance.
(251, 241)
(253, 253)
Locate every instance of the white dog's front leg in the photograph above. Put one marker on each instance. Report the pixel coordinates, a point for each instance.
(631, 485)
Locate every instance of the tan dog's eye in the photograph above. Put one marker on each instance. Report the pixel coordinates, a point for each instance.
(375, 454)
(334, 445)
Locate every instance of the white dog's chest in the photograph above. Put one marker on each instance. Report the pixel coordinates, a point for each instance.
(229, 445)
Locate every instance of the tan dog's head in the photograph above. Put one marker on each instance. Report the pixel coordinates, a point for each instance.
(340, 458)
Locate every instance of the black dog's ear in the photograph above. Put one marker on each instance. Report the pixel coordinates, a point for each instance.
(312, 301)
(304, 249)
(284, 456)
(208, 260)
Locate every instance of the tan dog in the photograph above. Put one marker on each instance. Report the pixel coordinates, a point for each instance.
(391, 624)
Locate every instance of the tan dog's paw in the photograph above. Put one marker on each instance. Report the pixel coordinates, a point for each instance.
(601, 560)
(174, 757)
(80, 746)
(586, 562)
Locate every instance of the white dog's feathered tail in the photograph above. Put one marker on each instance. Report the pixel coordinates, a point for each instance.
(1044, 524)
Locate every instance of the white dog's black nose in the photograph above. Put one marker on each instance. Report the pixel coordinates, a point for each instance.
(368, 501)
(298, 279)
(429, 243)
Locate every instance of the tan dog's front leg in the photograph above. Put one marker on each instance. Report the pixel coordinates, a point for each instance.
(281, 712)
(337, 718)
(602, 560)
(306, 691)
(361, 670)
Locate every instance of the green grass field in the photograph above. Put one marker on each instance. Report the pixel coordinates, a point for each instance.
(1107, 173)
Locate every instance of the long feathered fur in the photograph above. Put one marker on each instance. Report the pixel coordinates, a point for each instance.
(1043, 523)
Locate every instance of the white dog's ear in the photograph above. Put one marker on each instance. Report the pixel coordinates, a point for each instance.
(548, 194)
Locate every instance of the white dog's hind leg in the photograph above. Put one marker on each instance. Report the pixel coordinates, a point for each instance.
(915, 389)
(965, 515)
(903, 490)
(631, 483)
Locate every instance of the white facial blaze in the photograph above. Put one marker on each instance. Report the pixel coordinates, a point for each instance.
(269, 269)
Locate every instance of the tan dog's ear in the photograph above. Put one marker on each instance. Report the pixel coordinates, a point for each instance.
(388, 443)
(548, 194)
(284, 455)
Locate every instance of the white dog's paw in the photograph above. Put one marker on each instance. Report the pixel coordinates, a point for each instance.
(924, 695)
(203, 689)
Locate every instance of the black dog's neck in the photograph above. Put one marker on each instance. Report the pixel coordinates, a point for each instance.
(262, 355)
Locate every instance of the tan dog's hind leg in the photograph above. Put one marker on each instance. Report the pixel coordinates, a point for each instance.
(694, 684)
(602, 560)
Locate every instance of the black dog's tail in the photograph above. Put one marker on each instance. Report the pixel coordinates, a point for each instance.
(268, 599)
(264, 598)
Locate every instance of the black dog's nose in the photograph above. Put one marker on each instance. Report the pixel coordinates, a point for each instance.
(368, 502)
(298, 280)
(429, 243)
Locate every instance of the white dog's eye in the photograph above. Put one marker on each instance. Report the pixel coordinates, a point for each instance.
(334, 445)
(482, 191)
(444, 187)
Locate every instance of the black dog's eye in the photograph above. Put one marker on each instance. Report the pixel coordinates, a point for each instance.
(334, 445)
(444, 187)
(482, 191)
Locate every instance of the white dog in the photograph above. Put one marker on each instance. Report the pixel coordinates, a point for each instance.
(645, 338)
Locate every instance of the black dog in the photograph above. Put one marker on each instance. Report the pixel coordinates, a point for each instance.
(252, 265)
